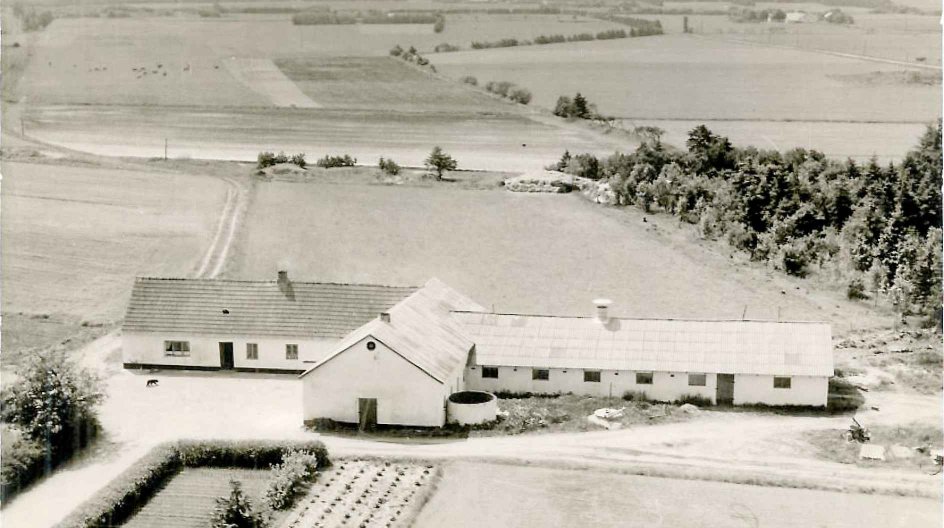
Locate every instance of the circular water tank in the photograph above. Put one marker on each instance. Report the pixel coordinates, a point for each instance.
(471, 407)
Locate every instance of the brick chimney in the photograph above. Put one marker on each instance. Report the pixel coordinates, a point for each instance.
(283, 277)
(385, 317)
(602, 305)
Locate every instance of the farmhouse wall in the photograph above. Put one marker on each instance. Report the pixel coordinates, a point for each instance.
(405, 394)
(666, 386)
(804, 390)
(148, 349)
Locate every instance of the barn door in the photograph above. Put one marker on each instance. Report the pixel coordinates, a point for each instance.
(367, 413)
(226, 356)
(724, 393)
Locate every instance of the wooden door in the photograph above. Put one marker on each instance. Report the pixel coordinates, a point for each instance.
(367, 413)
(226, 356)
(724, 392)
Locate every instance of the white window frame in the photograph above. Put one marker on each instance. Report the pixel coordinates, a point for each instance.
(291, 351)
(252, 351)
(177, 348)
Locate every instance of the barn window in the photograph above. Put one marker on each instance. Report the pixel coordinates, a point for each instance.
(591, 376)
(291, 351)
(540, 374)
(781, 382)
(177, 348)
(252, 351)
(697, 380)
(490, 372)
(644, 378)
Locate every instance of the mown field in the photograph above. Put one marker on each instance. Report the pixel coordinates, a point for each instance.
(73, 239)
(516, 253)
(696, 79)
(520, 496)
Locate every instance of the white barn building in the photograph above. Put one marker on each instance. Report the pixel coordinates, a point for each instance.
(390, 355)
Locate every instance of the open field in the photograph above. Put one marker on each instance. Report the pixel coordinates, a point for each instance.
(187, 501)
(531, 253)
(703, 80)
(520, 496)
(74, 238)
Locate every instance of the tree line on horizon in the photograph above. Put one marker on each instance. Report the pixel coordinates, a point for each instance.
(876, 228)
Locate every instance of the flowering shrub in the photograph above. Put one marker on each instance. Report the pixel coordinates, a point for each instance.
(287, 478)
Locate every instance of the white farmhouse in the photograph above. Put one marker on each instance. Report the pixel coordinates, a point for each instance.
(392, 355)
(264, 326)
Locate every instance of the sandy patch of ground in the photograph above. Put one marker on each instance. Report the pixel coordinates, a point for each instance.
(264, 77)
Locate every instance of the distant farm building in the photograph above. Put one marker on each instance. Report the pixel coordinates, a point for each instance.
(390, 355)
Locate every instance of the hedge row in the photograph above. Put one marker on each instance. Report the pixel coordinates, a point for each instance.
(123, 496)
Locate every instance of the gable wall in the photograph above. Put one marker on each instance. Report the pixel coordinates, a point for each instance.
(405, 394)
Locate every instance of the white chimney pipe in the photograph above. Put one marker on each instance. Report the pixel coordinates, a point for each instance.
(603, 316)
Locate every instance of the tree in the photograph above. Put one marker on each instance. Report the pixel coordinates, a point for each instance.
(54, 403)
(440, 161)
(440, 24)
(564, 106)
(580, 108)
(235, 511)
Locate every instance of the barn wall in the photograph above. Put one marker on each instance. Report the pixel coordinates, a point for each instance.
(405, 394)
(665, 386)
(148, 349)
(804, 390)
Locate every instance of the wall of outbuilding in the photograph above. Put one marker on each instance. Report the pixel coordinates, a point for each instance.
(666, 386)
(804, 390)
(148, 350)
(405, 394)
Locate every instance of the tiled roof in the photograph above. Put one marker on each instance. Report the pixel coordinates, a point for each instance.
(255, 308)
(421, 330)
(731, 347)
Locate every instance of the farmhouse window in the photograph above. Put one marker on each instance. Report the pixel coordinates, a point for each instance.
(781, 382)
(490, 372)
(540, 374)
(291, 351)
(252, 351)
(177, 348)
(644, 378)
(697, 380)
(591, 376)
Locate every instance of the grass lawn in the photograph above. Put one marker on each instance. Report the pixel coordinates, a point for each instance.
(516, 252)
(478, 494)
(829, 445)
(187, 501)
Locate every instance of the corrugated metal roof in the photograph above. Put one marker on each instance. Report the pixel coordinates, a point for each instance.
(421, 330)
(732, 347)
(255, 308)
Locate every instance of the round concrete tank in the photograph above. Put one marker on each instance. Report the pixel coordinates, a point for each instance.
(471, 407)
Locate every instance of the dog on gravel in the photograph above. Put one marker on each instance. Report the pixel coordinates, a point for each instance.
(151, 383)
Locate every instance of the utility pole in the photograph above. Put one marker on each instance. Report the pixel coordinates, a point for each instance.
(165, 149)
(22, 133)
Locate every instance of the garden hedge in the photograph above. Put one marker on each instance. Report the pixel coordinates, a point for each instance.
(117, 502)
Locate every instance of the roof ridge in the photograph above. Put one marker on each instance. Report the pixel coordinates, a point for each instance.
(246, 281)
(696, 319)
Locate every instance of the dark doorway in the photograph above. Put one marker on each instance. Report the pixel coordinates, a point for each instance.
(725, 390)
(226, 356)
(367, 413)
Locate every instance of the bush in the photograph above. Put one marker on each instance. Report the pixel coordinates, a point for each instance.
(694, 399)
(440, 24)
(329, 162)
(389, 167)
(856, 290)
(520, 95)
(235, 511)
(468, 79)
(445, 48)
(268, 159)
(635, 396)
(299, 159)
(396, 51)
(297, 468)
(22, 462)
(124, 495)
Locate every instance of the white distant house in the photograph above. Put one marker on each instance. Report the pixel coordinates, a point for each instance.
(389, 355)
(798, 17)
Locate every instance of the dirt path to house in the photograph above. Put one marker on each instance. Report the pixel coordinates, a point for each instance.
(234, 209)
